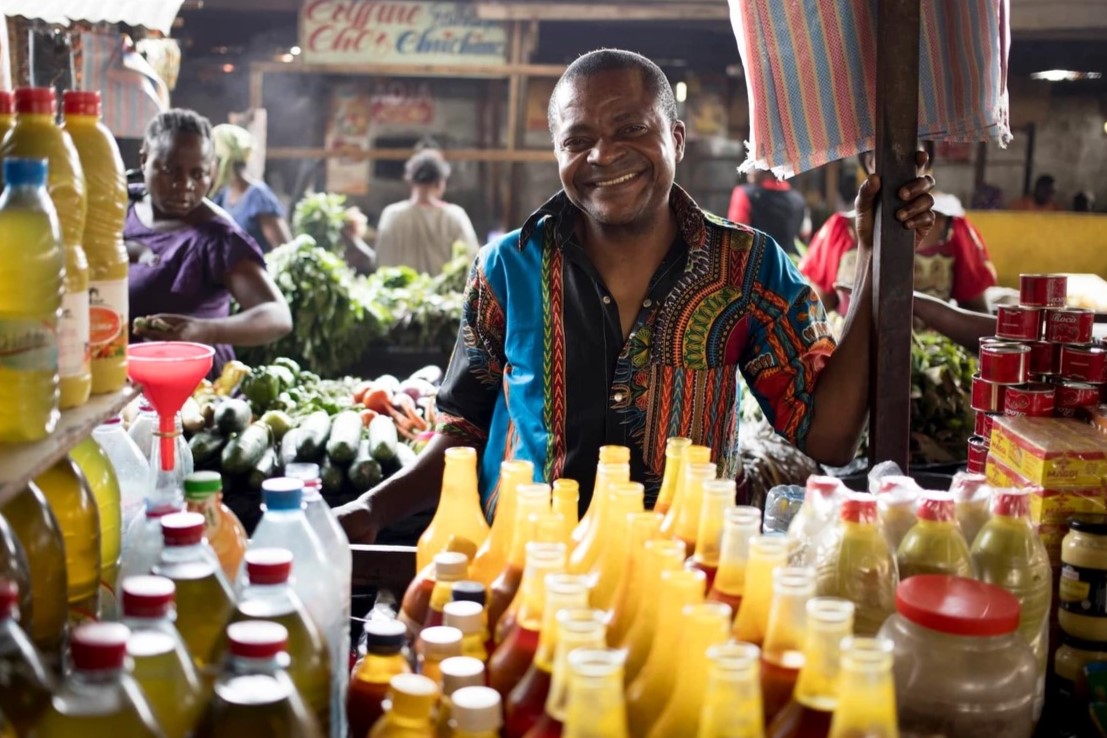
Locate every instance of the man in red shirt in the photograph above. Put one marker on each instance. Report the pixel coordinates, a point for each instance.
(769, 205)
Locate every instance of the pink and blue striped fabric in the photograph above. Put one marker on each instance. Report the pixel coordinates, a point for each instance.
(811, 74)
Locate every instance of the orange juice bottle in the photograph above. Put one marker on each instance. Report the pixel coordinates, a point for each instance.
(203, 493)
(674, 453)
(608, 455)
(412, 698)
(458, 511)
(866, 691)
(575, 629)
(692, 454)
(530, 499)
(596, 707)
(548, 527)
(661, 556)
(732, 698)
(67, 491)
(740, 524)
(625, 499)
(36, 135)
(31, 288)
(782, 654)
(718, 495)
(597, 520)
(767, 554)
(688, 517)
(100, 475)
(102, 239)
(934, 545)
(384, 659)
(449, 567)
(626, 605)
(492, 554)
(566, 500)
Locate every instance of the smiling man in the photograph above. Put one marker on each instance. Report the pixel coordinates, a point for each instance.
(621, 313)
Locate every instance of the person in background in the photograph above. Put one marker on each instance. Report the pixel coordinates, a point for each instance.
(188, 259)
(965, 327)
(249, 201)
(1083, 202)
(951, 262)
(769, 205)
(359, 255)
(420, 232)
(1042, 199)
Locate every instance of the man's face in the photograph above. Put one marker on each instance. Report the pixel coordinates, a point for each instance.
(178, 172)
(616, 151)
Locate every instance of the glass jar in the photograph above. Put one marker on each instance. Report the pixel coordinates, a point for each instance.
(1082, 589)
(1071, 694)
(961, 667)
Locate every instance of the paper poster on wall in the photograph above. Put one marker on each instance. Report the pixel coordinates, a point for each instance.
(348, 130)
(401, 103)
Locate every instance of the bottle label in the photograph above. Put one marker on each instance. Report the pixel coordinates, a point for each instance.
(29, 345)
(73, 348)
(108, 312)
(1083, 591)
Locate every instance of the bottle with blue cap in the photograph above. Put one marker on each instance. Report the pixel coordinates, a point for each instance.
(31, 287)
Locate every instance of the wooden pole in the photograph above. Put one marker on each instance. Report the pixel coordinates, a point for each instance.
(897, 115)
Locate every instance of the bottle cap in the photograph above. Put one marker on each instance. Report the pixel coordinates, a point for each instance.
(1095, 525)
(257, 639)
(440, 642)
(412, 695)
(81, 102)
(182, 528)
(965, 485)
(1012, 503)
(476, 709)
(20, 172)
(469, 591)
(99, 646)
(957, 606)
(35, 100)
(202, 485)
(1073, 642)
(306, 473)
(450, 565)
(465, 616)
(859, 508)
(822, 486)
(112, 421)
(148, 596)
(7, 102)
(268, 565)
(936, 506)
(9, 599)
(384, 637)
(282, 493)
(461, 671)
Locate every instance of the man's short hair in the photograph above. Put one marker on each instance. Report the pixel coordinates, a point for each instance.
(427, 167)
(612, 60)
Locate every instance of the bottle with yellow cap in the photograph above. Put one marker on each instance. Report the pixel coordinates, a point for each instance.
(458, 513)
(434, 646)
(766, 554)
(492, 554)
(625, 499)
(530, 499)
(575, 629)
(598, 520)
(718, 494)
(468, 617)
(740, 524)
(78, 516)
(608, 455)
(458, 672)
(596, 706)
(692, 454)
(627, 604)
(476, 713)
(449, 567)
(732, 698)
(661, 556)
(384, 659)
(412, 698)
(674, 455)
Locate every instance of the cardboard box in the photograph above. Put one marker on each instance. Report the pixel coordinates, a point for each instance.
(1048, 505)
(1053, 453)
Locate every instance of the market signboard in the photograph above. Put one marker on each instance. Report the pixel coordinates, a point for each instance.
(402, 32)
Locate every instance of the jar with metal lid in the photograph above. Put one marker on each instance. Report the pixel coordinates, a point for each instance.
(961, 667)
(1082, 589)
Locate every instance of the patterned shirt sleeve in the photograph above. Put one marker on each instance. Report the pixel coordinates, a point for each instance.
(788, 344)
(474, 378)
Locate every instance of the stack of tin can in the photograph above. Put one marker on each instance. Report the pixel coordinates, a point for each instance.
(1041, 362)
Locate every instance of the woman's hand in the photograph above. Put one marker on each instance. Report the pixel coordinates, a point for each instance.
(917, 215)
(170, 327)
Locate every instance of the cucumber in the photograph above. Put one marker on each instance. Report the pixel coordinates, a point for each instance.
(332, 476)
(345, 437)
(289, 445)
(382, 438)
(405, 455)
(205, 447)
(232, 416)
(246, 449)
(365, 473)
(313, 435)
(264, 469)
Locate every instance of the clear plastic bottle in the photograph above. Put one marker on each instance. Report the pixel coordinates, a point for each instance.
(740, 524)
(458, 672)
(596, 706)
(384, 659)
(476, 713)
(145, 542)
(896, 499)
(204, 494)
(608, 455)
(31, 285)
(458, 512)
(782, 655)
(98, 699)
(972, 497)
(821, 501)
(14, 566)
(718, 495)
(627, 603)
(867, 694)
(160, 662)
(100, 475)
(78, 515)
(732, 698)
(575, 629)
(766, 555)
(144, 430)
(412, 698)
(131, 470)
(934, 545)
(25, 684)
(143, 426)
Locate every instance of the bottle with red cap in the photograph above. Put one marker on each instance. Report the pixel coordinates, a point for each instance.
(254, 695)
(36, 135)
(205, 601)
(7, 112)
(98, 699)
(384, 659)
(934, 544)
(971, 497)
(821, 500)
(269, 596)
(160, 663)
(102, 238)
(25, 685)
(858, 565)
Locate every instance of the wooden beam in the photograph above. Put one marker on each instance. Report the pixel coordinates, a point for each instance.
(413, 70)
(257, 83)
(508, 11)
(490, 155)
(897, 125)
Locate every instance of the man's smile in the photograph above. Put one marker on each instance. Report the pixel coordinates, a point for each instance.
(615, 181)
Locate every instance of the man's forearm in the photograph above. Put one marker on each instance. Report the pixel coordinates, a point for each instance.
(256, 326)
(966, 327)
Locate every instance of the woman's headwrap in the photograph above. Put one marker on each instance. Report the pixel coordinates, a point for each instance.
(233, 145)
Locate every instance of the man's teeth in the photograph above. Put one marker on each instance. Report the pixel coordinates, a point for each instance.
(617, 180)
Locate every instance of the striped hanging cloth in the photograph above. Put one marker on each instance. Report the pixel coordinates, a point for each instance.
(811, 73)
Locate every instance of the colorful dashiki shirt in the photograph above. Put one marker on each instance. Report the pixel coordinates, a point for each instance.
(541, 372)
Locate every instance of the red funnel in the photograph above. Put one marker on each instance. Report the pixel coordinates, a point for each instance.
(169, 372)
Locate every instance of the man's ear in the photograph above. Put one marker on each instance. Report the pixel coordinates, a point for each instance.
(678, 139)
(142, 157)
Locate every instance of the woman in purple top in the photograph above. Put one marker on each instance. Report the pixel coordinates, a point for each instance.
(188, 259)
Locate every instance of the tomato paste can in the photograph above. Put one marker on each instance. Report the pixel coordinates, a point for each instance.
(987, 397)
(1045, 358)
(977, 456)
(1074, 395)
(1084, 363)
(1019, 322)
(1069, 325)
(1004, 363)
(1036, 400)
(1043, 290)
(984, 424)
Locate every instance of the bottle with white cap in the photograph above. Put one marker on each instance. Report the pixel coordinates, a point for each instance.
(476, 713)
(468, 617)
(449, 567)
(457, 672)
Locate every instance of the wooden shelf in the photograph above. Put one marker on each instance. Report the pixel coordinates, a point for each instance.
(20, 463)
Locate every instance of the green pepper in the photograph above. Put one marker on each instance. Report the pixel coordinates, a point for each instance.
(261, 388)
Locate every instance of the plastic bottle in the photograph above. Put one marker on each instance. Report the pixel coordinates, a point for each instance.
(547, 527)
(160, 662)
(67, 491)
(732, 698)
(566, 501)
(254, 695)
(142, 432)
(468, 617)
(674, 453)
(859, 565)
(7, 112)
(782, 654)
(608, 455)
(896, 498)
(575, 629)
(205, 601)
(661, 556)
(808, 715)
(417, 596)
(449, 567)
(782, 504)
(718, 494)
(740, 524)
(102, 238)
(412, 697)
(99, 473)
(477, 713)
(13, 564)
(224, 533)
(688, 517)
(458, 672)
(597, 520)
(627, 605)
(31, 288)
(145, 540)
(766, 555)
(530, 499)
(693, 454)
(866, 692)
(434, 646)
(458, 511)
(972, 496)
(36, 135)
(37, 530)
(383, 660)
(143, 426)
(470, 591)
(625, 500)
(98, 699)
(818, 514)
(131, 471)
(492, 554)
(25, 684)
(934, 545)
(596, 707)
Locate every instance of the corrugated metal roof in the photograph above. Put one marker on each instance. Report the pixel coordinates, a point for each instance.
(153, 14)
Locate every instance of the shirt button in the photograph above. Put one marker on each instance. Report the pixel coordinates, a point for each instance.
(606, 300)
(647, 303)
(618, 397)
